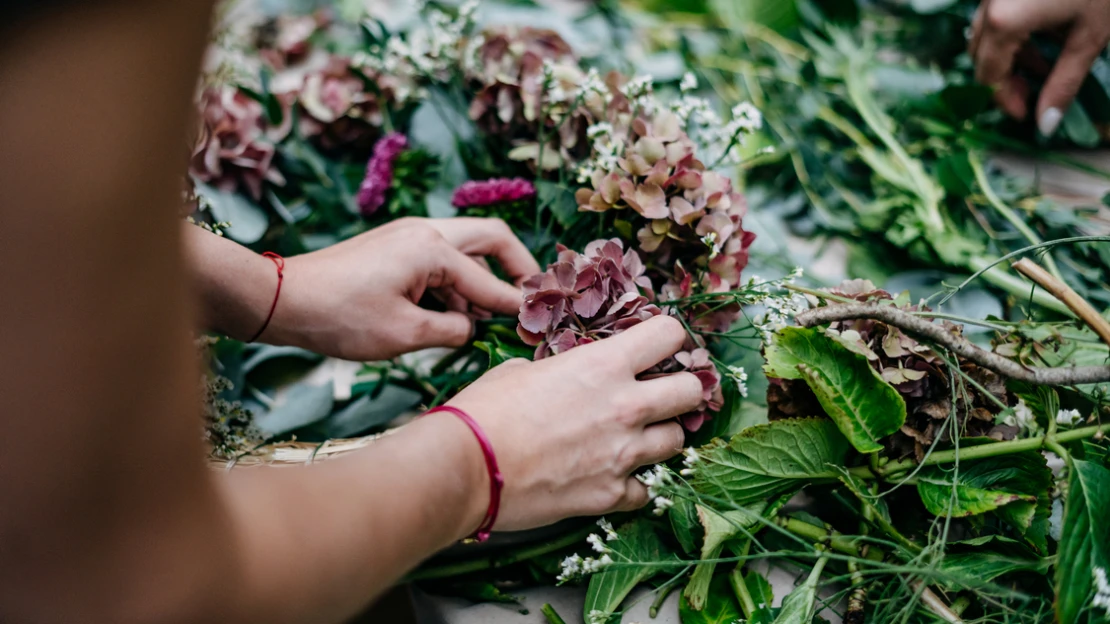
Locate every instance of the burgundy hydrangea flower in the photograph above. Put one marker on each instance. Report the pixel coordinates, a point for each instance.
(482, 193)
(379, 173)
(338, 111)
(235, 147)
(602, 292)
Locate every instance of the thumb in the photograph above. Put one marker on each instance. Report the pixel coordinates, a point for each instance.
(1065, 80)
(440, 329)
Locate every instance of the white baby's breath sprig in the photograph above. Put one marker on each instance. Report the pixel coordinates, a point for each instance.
(1069, 418)
(607, 528)
(1102, 589)
(690, 459)
(740, 377)
(689, 82)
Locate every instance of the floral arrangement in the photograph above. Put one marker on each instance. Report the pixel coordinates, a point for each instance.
(925, 453)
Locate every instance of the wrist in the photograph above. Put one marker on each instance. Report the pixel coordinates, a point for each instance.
(460, 448)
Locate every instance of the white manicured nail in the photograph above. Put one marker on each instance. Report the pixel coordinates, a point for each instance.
(1049, 121)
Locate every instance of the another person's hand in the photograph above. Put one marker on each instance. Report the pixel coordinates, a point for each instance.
(1000, 32)
(570, 430)
(358, 300)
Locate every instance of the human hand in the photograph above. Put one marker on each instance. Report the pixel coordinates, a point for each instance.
(358, 300)
(569, 430)
(1000, 32)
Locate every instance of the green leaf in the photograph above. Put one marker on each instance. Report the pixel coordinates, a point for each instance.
(367, 412)
(1085, 542)
(636, 543)
(759, 588)
(719, 528)
(800, 606)
(559, 200)
(780, 15)
(864, 406)
(248, 221)
(984, 559)
(684, 522)
(302, 405)
(1014, 486)
(720, 607)
(1078, 127)
(499, 352)
(764, 461)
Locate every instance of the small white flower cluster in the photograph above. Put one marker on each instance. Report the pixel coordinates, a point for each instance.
(1070, 418)
(740, 377)
(657, 480)
(1056, 520)
(1102, 590)
(690, 459)
(1022, 417)
(640, 90)
(592, 84)
(597, 616)
(431, 52)
(780, 310)
(711, 241)
(575, 565)
(689, 82)
(552, 88)
(606, 152)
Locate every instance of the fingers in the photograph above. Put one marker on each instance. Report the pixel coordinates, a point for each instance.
(1079, 53)
(661, 442)
(635, 495)
(475, 284)
(646, 344)
(488, 237)
(994, 64)
(439, 329)
(670, 396)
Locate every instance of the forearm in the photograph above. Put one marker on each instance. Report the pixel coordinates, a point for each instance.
(318, 543)
(236, 285)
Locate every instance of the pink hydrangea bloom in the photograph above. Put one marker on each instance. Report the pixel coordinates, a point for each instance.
(379, 173)
(491, 192)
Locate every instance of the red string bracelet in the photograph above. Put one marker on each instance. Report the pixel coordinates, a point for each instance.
(496, 481)
(279, 262)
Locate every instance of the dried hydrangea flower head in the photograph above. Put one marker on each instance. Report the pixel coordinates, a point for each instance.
(586, 297)
(339, 112)
(915, 371)
(688, 217)
(379, 173)
(235, 147)
(285, 40)
(494, 192)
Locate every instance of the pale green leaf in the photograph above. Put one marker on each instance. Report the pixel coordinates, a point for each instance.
(800, 606)
(636, 543)
(720, 608)
(764, 461)
(864, 406)
(1085, 543)
(719, 528)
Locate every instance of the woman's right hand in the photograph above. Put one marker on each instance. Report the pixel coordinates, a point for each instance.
(1000, 32)
(570, 430)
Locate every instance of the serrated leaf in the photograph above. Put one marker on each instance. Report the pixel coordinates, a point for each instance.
(719, 528)
(684, 522)
(636, 543)
(559, 200)
(720, 607)
(983, 559)
(1014, 486)
(864, 406)
(1085, 542)
(759, 588)
(764, 461)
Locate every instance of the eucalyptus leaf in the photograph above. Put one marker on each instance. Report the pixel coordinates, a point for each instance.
(248, 220)
(636, 543)
(367, 412)
(1084, 544)
(864, 406)
(778, 458)
(302, 405)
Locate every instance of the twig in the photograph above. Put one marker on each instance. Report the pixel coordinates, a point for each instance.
(1063, 292)
(1061, 376)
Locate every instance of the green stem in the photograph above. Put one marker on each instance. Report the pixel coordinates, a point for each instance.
(833, 539)
(820, 294)
(549, 613)
(1008, 213)
(1015, 286)
(455, 568)
(661, 595)
(740, 588)
(979, 452)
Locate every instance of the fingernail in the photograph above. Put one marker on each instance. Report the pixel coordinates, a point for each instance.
(1049, 121)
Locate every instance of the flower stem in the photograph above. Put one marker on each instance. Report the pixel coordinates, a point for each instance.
(552, 617)
(455, 568)
(740, 588)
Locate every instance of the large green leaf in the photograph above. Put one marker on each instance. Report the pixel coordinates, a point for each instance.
(1085, 542)
(780, 15)
(303, 404)
(780, 457)
(720, 608)
(864, 406)
(984, 559)
(1014, 486)
(637, 552)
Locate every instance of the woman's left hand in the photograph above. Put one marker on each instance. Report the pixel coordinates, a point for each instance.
(358, 300)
